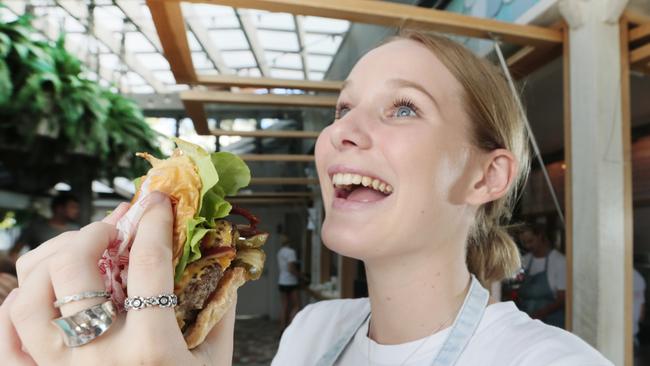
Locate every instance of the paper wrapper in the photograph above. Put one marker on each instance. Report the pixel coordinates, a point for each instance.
(114, 264)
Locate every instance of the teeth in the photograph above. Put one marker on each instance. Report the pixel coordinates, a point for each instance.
(344, 180)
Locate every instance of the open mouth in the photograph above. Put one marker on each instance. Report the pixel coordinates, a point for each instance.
(359, 188)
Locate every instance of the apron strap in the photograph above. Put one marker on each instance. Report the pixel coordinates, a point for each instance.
(465, 325)
(335, 351)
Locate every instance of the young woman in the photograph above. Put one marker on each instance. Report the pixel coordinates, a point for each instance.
(417, 173)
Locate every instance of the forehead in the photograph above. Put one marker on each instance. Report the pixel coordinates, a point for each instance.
(409, 60)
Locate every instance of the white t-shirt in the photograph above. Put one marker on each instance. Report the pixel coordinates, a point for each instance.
(556, 273)
(639, 299)
(286, 255)
(505, 337)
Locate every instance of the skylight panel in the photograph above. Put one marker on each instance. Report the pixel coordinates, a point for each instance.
(229, 39)
(284, 60)
(110, 61)
(239, 59)
(287, 74)
(142, 89)
(136, 42)
(166, 77)
(319, 63)
(109, 17)
(316, 75)
(251, 72)
(201, 60)
(193, 42)
(214, 16)
(264, 19)
(318, 24)
(322, 43)
(153, 61)
(283, 41)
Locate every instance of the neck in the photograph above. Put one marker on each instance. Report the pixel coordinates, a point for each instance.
(58, 220)
(542, 252)
(414, 296)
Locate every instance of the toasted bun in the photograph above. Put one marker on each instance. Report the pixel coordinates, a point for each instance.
(218, 304)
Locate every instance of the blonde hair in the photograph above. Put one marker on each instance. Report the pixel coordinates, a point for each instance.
(497, 123)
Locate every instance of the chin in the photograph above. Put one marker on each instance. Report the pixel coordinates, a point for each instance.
(350, 240)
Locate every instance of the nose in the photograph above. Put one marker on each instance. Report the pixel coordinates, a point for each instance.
(350, 132)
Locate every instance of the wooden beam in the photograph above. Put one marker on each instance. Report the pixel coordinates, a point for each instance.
(196, 112)
(268, 134)
(407, 16)
(269, 83)
(207, 96)
(639, 57)
(528, 59)
(284, 181)
(640, 32)
(636, 18)
(170, 25)
(278, 158)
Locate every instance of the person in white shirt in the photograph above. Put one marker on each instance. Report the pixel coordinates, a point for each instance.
(288, 283)
(542, 292)
(417, 172)
(638, 313)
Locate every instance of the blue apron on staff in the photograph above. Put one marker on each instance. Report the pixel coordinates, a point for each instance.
(535, 293)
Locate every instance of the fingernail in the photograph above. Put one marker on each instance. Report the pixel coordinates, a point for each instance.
(156, 197)
(12, 295)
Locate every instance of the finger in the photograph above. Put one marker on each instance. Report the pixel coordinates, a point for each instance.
(117, 214)
(150, 259)
(11, 347)
(27, 262)
(75, 270)
(217, 349)
(32, 313)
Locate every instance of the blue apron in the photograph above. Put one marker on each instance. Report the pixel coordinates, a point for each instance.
(535, 293)
(462, 330)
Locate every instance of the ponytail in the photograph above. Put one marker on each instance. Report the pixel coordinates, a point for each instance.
(492, 256)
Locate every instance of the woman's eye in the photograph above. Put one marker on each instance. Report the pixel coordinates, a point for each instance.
(404, 111)
(341, 112)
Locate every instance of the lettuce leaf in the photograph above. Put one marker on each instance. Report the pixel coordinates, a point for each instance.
(222, 174)
(233, 172)
(191, 250)
(204, 165)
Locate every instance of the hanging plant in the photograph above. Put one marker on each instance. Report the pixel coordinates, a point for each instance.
(49, 111)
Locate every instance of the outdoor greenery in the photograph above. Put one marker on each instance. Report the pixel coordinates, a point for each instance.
(50, 114)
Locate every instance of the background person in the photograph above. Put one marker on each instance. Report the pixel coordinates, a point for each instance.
(288, 283)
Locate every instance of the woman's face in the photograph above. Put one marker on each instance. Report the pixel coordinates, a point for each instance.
(393, 166)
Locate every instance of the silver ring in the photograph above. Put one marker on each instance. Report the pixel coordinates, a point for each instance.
(139, 302)
(80, 296)
(86, 325)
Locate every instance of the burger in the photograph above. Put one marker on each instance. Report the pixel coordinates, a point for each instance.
(212, 256)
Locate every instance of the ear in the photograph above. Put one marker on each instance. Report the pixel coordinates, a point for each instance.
(496, 173)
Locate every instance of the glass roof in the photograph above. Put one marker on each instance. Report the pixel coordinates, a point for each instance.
(220, 39)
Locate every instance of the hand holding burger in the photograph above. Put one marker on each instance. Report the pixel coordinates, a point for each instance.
(67, 265)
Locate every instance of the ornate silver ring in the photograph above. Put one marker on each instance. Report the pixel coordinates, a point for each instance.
(86, 325)
(139, 302)
(80, 296)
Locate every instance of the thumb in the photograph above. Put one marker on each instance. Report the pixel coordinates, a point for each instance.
(217, 349)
